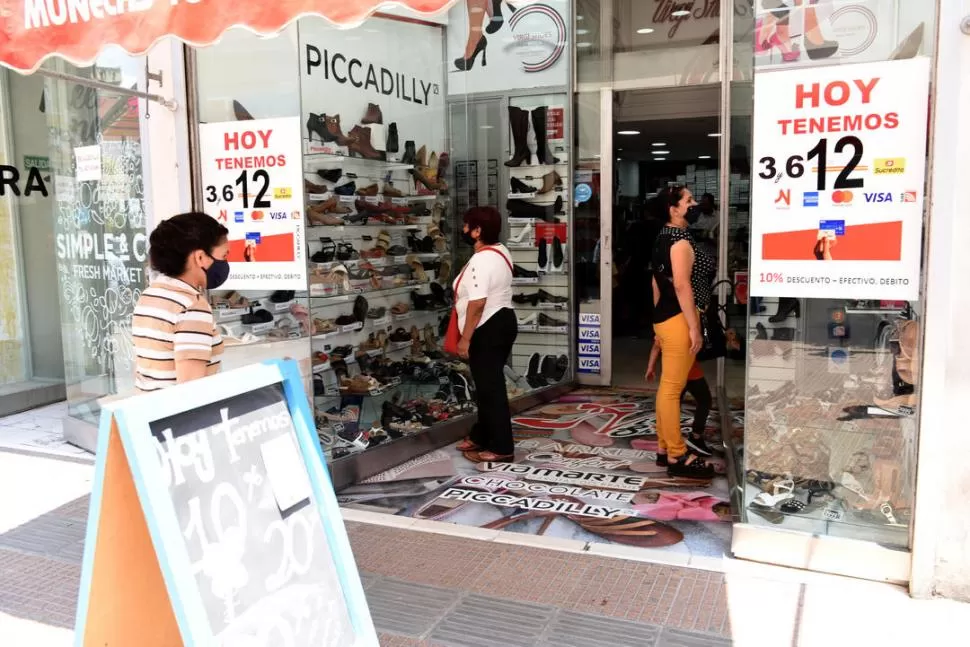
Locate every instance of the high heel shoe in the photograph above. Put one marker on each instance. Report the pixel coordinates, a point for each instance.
(465, 64)
(497, 18)
(241, 113)
(821, 49)
(549, 182)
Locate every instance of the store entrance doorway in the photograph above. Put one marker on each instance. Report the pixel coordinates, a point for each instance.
(661, 137)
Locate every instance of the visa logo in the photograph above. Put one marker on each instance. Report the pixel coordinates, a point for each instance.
(278, 215)
(879, 197)
(589, 349)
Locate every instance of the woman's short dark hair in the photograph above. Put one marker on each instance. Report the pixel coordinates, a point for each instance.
(174, 239)
(488, 219)
(667, 198)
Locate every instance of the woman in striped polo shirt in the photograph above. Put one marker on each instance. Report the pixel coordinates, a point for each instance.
(174, 333)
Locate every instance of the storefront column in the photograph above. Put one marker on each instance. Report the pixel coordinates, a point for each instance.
(941, 563)
(168, 186)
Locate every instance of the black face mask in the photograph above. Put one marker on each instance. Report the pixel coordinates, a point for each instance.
(467, 237)
(216, 274)
(693, 215)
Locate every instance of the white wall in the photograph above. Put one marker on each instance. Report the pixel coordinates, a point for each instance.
(941, 543)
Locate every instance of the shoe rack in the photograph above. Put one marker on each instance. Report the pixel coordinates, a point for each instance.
(380, 265)
(538, 223)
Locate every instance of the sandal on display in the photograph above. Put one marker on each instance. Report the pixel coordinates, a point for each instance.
(784, 490)
(230, 338)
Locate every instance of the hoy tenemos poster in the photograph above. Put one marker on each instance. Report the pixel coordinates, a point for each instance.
(838, 183)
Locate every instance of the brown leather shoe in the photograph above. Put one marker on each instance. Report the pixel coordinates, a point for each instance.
(333, 127)
(360, 143)
(311, 187)
(550, 181)
(373, 115)
(371, 190)
(391, 192)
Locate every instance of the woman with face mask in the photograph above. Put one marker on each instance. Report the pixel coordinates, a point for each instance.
(682, 278)
(483, 301)
(174, 333)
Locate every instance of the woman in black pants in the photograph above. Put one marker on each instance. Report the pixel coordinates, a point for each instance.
(483, 300)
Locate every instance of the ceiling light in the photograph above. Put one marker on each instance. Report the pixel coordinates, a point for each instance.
(582, 32)
(661, 152)
(618, 159)
(659, 159)
(583, 45)
(579, 18)
(680, 13)
(645, 30)
(655, 144)
(703, 157)
(714, 135)
(628, 132)
(486, 127)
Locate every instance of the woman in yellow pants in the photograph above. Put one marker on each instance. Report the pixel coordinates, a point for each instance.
(682, 279)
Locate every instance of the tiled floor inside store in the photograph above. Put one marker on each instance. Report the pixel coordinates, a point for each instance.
(584, 474)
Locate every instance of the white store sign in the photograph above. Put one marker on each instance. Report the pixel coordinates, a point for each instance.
(838, 186)
(252, 181)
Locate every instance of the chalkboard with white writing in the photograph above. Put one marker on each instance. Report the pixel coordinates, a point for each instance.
(257, 548)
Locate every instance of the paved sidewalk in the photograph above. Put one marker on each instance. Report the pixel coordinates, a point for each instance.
(448, 591)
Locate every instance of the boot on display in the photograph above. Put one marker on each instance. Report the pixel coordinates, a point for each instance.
(373, 115)
(519, 125)
(543, 153)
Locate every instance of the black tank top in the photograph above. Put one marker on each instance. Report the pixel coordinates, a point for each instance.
(701, 276)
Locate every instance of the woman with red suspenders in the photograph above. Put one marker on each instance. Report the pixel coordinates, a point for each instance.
(488, 327)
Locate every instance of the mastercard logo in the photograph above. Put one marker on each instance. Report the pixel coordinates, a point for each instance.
(842, 197)
(257, 215)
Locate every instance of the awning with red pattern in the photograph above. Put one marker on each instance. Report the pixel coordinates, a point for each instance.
(77, 30)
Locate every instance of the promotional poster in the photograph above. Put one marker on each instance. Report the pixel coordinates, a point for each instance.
(493, 47)
(252, 183)
(838, 183)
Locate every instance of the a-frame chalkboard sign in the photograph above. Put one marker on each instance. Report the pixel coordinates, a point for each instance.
(213, 522)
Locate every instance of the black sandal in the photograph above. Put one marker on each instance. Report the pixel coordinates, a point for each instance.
(690, 465)
(326, 253)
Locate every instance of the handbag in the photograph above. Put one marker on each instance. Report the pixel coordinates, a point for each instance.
(453, 334)
(715, 341)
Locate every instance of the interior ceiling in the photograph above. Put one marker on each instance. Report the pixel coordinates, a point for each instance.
(686, 139)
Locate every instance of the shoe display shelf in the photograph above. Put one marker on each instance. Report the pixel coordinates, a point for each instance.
(380, 271)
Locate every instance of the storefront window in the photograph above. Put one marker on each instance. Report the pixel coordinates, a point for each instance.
(100, 241)
(366, 210)
(834, 329)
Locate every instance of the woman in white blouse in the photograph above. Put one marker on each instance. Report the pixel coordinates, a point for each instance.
(483, 299)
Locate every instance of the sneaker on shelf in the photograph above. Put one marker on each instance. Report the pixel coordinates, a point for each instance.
(546, 297)
(546, 320)
(520, 272)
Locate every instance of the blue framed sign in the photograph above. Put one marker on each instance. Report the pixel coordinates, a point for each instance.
(213, 521)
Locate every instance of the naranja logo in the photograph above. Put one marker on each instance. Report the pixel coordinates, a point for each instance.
(889, 166)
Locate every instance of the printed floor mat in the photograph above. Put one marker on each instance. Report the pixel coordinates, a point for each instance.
(584, 470)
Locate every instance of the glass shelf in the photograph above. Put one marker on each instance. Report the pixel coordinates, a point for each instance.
(345, 297)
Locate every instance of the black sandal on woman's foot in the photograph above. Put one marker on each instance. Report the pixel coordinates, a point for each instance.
(661, 460)
(690, 465)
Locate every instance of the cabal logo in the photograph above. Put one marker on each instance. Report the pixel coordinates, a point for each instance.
(879, 197)
(239, 216)
(842, 198)
(784, 198)
(810, 199)
(908, 196)
(889, 166)
(256, 215)
(539, 32)
(278, 215)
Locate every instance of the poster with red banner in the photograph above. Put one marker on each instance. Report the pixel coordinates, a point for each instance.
(838, 186)
(252, 182)
(551, 230)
